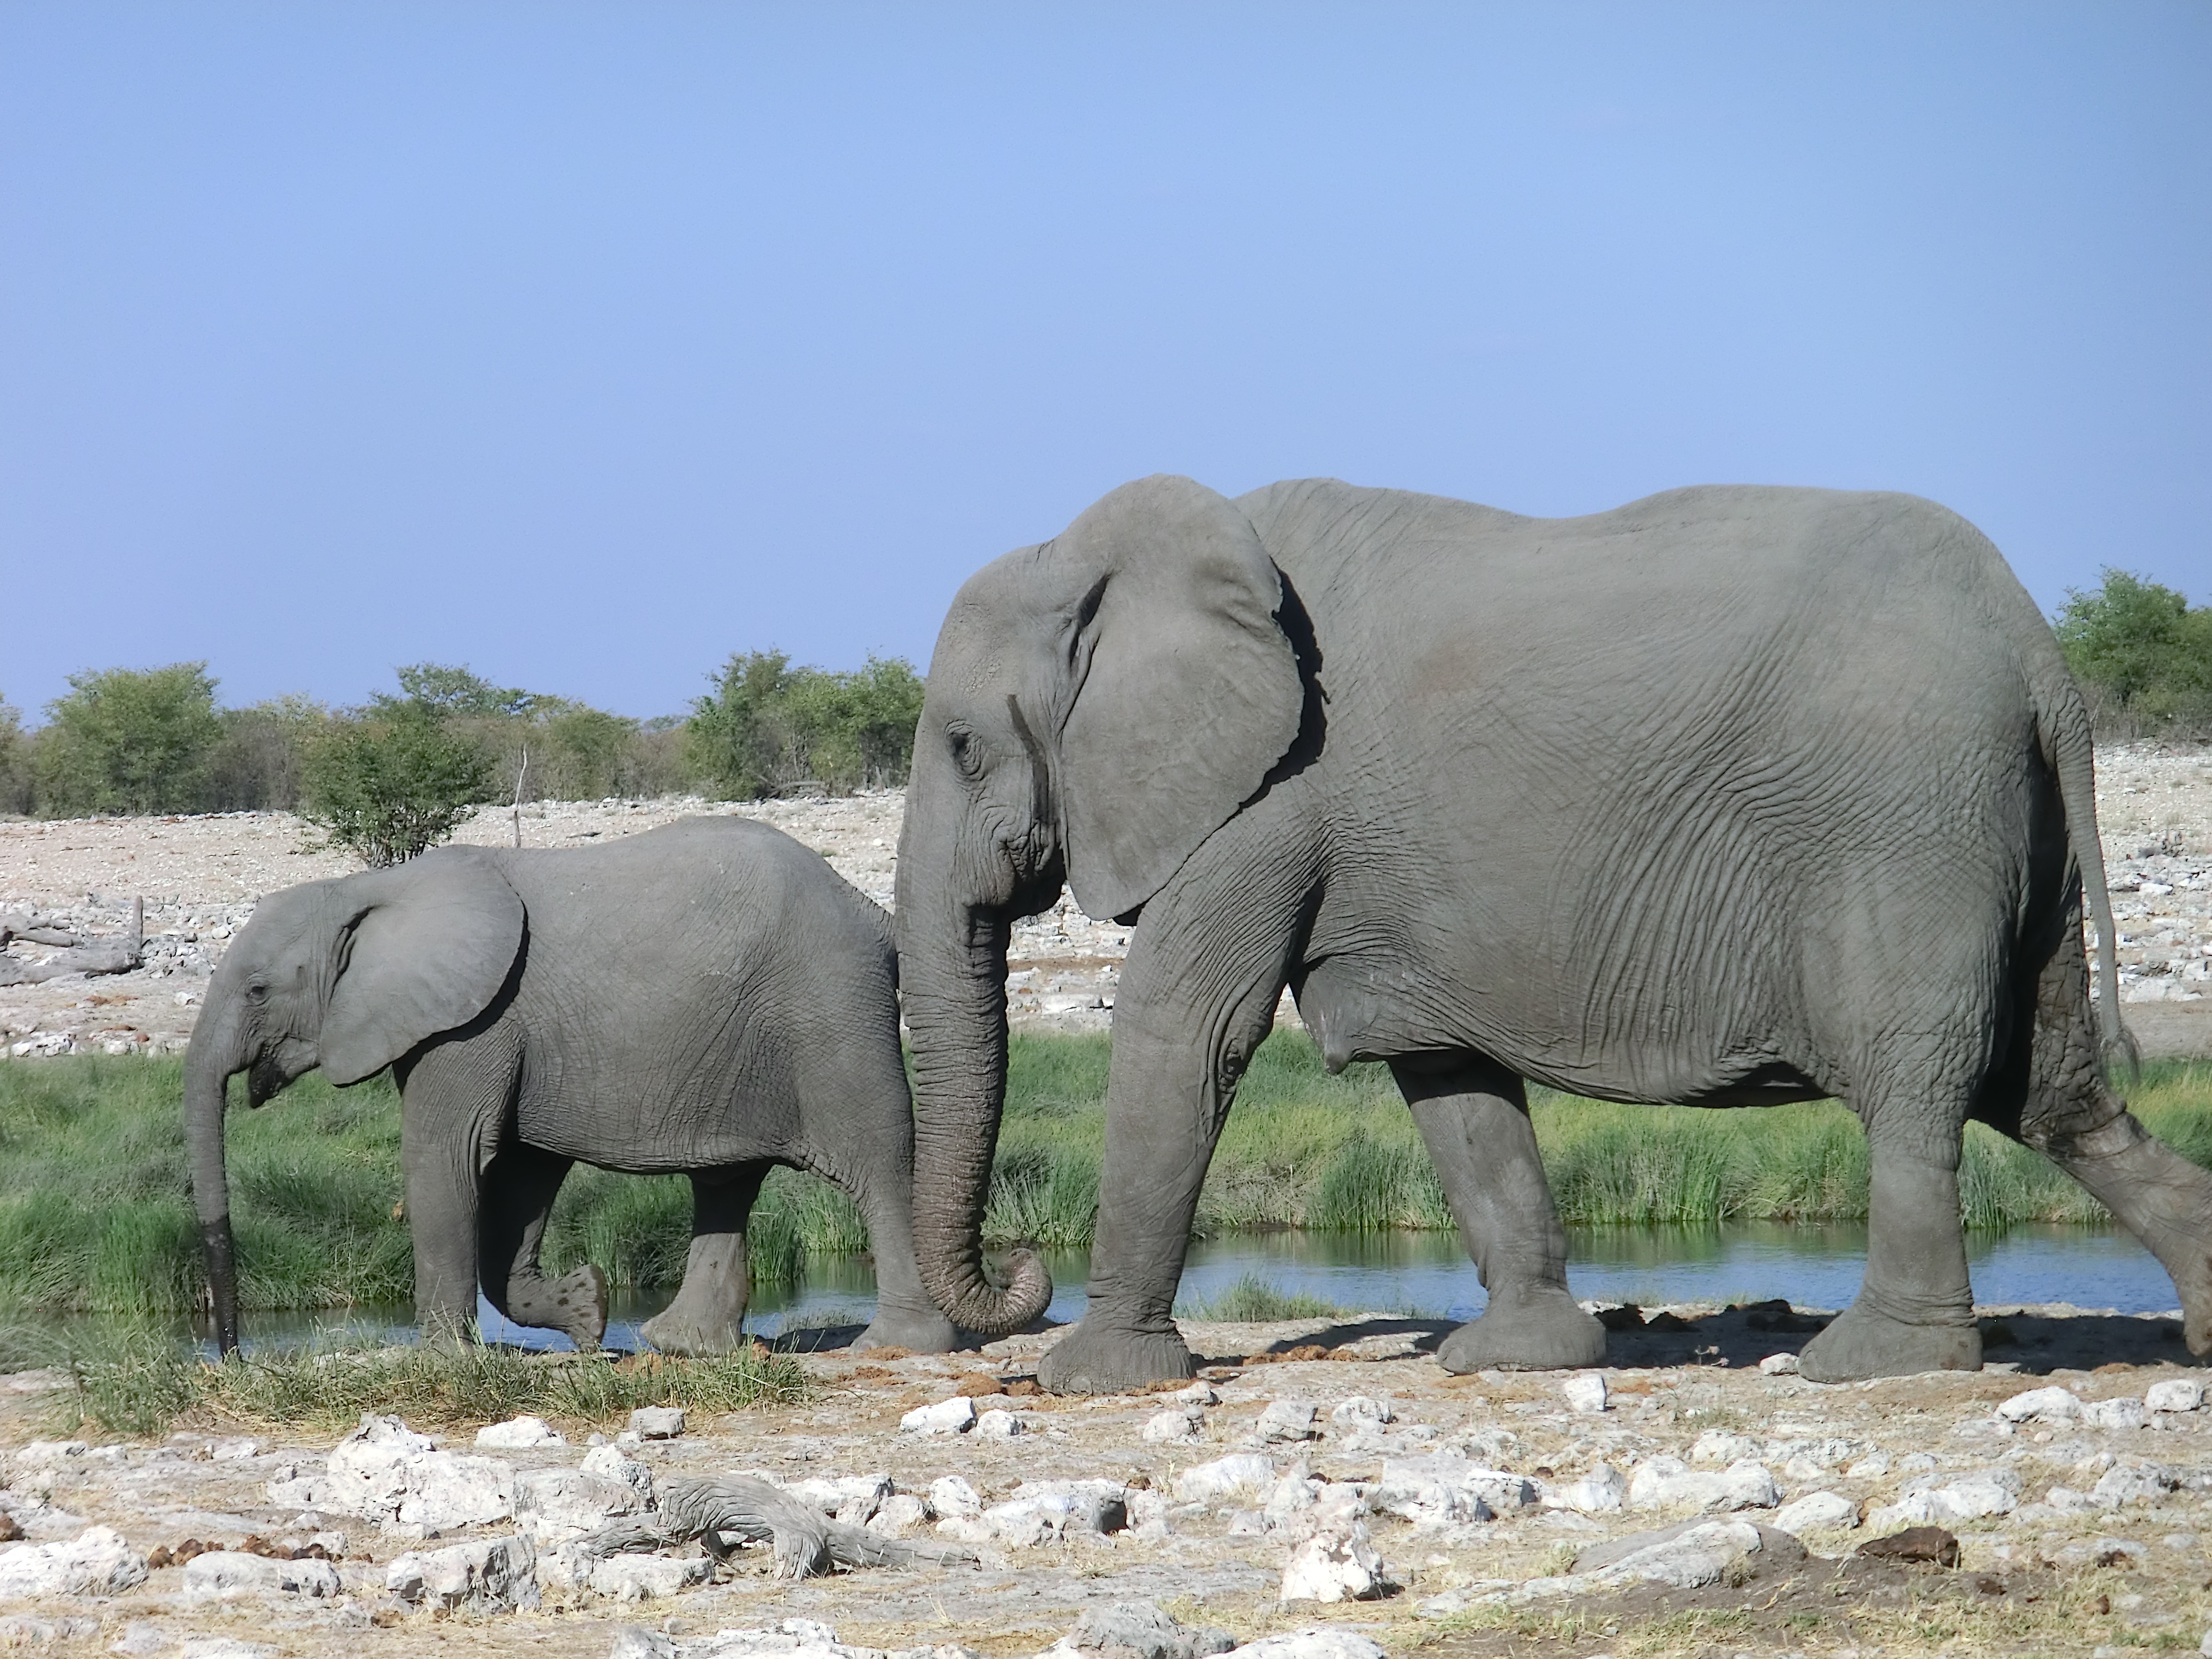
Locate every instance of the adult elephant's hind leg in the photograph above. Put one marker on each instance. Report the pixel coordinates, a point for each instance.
(708, 1313)
(519, 1188)
(1914, 1308)
(1474, 1114)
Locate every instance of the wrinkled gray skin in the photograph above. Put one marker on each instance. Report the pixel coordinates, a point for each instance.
(1728, 796)
(709, 997)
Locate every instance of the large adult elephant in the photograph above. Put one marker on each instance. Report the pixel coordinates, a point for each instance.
(709, 998)
(1728, 796)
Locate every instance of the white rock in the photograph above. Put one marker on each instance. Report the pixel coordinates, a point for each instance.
(851, 1499)
(1668, 1483)
(1815, 1510)
(1337, 1566)
(1718, 1446)
(1969, 1497)
(225, 1574)
(1585, 1392)
(1000, 1425)
(1872, 1466)
(1360, 1413)
(519, 1434)
(1779, 1364)
(609, 1463)
(96, 1562)
(2051, 1404)
(1699, 1556)
(898, 1515)
(2140, 1483)
(554, 1505)
(486, 1574)
(1318, 1642)
(1045, 1511)
(2176, 1393)
(221, 1647)
(52, 1451)
(1184, 1424)
(234, 1450)
(657, 1422)
(1288, 1420)
(1601, 1491)
(953, 1416)
(1200, 1393)
(1203, 1483)
(954, 1499)
(2066, 1500)
(386, 1471)
(1444, 1490)
(649, 1578)
(2122, 1414)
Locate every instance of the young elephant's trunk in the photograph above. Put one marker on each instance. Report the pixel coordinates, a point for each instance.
(208, 1065)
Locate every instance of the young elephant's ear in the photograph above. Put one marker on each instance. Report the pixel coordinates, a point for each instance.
(435, 939)
(1185, 689)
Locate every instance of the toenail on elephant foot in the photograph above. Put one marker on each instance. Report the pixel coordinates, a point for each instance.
(1547, 1333)
(1102, 1361)
(1861, 1343)
(915, 1332)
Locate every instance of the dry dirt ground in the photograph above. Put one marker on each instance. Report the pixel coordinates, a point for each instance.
(2081, 1528)
(199, 877)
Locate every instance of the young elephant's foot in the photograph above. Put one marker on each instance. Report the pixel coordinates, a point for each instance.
(673, 1331)
(915, 1330)
(1861, 1343)
(1543, 1332)
(1103, 1360)
(574, 1304)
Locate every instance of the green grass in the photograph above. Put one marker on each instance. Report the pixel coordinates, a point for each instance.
(135, 1379)
(95, 1212)
(1252, 1299)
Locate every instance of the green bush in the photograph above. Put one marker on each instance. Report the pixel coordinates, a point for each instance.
(394, 782)
(261, 763)
(128, 740)
(16, 795)
(2142, 652)
(768, 728)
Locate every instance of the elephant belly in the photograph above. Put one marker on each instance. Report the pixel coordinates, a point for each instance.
(1362, 1010)
(640, 1134)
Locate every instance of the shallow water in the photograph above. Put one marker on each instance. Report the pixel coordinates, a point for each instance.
(1813, 1266)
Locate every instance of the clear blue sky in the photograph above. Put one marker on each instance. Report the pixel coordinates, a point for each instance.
(588, 345)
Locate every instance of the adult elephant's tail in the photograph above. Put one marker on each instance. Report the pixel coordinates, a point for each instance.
(2065, 719)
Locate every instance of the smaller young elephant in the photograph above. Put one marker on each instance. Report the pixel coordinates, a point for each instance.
(708, 997)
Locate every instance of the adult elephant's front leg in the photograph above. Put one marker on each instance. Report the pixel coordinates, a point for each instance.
(708, 1313)
(1474, 1114)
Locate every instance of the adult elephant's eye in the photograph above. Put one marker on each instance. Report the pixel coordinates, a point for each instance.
(256, 991)
(967, 753)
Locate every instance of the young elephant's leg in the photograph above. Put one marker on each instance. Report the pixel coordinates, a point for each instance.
(453, 1101)
(708, 1313)
(1474, 1114)
(1914, 1308)
(519, 1188)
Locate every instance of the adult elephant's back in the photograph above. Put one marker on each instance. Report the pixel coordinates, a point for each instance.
(1650, 766)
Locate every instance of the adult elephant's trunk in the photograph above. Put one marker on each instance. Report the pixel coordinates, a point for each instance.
(952, 972)
(208, 1065)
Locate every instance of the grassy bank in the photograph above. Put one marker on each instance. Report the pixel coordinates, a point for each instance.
(94, 1212)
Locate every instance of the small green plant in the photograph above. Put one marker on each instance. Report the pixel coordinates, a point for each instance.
(128, 740)
(768, 728)
(1252, 1300)
(392, 783)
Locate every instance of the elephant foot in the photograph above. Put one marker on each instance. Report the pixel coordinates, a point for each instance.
(1546, 1332)
(574, 1304)
(926, 1331)
(675, 1331)
(1101, 1360)
(1861, 1343)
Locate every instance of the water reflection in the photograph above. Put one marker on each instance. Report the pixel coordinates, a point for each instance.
(1417, 1273)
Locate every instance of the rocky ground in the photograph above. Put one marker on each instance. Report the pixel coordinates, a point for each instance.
(199, 877)
(1326, 1479)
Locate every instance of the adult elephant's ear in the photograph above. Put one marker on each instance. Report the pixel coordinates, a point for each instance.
(432, 943)
(1185, 690)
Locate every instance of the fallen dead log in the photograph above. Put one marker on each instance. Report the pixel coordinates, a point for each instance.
(113, 955)
(725, 1512)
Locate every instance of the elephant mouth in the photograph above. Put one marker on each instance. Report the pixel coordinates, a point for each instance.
(264, 1079)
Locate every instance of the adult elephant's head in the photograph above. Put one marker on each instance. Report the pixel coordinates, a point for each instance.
(348, 976)
(1097, 707)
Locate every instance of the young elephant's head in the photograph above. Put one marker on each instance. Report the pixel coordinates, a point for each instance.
(348, 975)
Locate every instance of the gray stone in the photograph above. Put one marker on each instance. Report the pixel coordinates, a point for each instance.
(1334, 1566)
(96, 1562)
(225, 1574)
(487, 1574)
(657, 1422)
(1203, 1483)
(1288, 1420)
(648, 1578)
